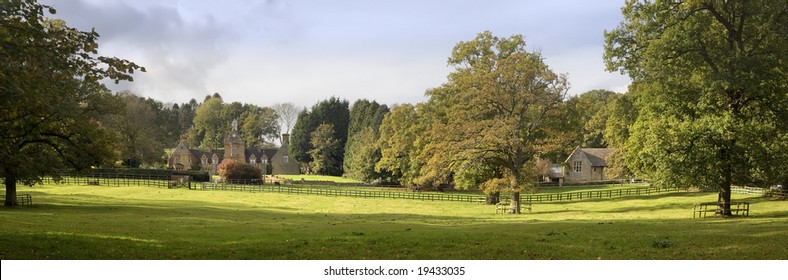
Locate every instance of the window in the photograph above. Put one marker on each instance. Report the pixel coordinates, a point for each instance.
(235, 151)
(252, 160)
(578, 166)
(265, 161)
(286, 159)
(177, 160)
(204, 160)
(215, 159)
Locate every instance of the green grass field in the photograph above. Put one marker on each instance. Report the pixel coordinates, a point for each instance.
(81, 222)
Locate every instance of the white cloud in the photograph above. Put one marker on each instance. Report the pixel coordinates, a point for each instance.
(265, 52)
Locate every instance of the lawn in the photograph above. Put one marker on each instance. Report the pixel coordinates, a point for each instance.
(82, 222)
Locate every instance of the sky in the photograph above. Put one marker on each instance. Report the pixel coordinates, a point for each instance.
(304, 51)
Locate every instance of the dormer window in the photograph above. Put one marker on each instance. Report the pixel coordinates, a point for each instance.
(252, 160)
(215, 159)
(204, 160)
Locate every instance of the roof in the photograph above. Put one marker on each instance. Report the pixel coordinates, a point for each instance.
(597, 156)
(208, 154)
(269, 153)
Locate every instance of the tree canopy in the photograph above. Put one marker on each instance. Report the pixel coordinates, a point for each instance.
(710, 79)
(52, 101)
(332, 111)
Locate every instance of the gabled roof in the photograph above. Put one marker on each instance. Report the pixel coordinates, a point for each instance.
(208, 154)
(597, 156)
(268, 153)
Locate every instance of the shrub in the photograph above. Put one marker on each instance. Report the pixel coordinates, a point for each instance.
(233, 170)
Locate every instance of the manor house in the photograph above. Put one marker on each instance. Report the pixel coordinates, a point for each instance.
(184, 158)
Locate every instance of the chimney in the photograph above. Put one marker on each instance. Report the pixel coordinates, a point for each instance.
(285, 139)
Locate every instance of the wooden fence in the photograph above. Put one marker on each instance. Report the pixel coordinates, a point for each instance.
(112, 180)
(340, 192)
(21, 199)
(542, 198)
(372, 192)
(530, 198)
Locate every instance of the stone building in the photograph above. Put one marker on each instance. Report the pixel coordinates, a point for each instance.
(185, 158)
(586, 164)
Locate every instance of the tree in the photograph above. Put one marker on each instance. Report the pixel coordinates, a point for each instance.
(324, 150)
(300, 140)
(331, 111)
(287, 113)
(592, 108)
(399, 144)
(361, 151)
(136, 130)
(260, 127)
(622, 114)
(503, 109)
(52, 101)
(361, 155)
(710, 76)
(209, 121)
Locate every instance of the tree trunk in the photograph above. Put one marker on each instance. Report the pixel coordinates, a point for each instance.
(10, 191)
(515, 205)
(494, 198)
(724, 197)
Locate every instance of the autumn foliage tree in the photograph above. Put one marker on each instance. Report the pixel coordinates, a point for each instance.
(501, 109)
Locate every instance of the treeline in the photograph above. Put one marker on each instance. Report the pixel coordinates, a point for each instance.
(146, 127)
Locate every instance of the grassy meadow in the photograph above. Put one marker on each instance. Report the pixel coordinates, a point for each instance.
(100, 222)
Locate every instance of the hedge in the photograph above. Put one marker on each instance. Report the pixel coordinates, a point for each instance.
(199, 176)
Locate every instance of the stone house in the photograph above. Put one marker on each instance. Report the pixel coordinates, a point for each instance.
(184, 158)
(586, 164)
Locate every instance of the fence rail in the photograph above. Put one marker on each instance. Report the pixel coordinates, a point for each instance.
(340, 192)
(21, 199)
(379, 192)
(150, 181)
(542, 198)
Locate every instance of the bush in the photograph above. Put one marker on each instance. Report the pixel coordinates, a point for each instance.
(233, 170)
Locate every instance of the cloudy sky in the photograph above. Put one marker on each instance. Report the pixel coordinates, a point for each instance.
(303, 51)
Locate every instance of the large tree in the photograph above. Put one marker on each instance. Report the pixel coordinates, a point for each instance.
(400, 143)
(593, 110)
(325, 147)
(361, 150)
(501, 108)
(136, 130)
(260, 127)
(332, 111)
(711, 78)
(287, 113)
(209, 121)
(52, 100)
